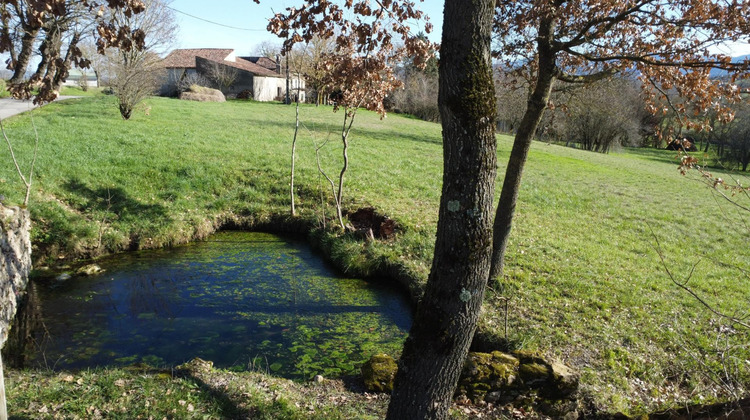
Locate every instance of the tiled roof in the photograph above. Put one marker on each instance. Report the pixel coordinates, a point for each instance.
(243, 64)
(187, 59)
(263, 62)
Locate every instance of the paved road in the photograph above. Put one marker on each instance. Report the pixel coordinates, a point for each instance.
(10, 107)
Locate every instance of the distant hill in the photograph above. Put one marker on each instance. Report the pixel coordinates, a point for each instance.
(721, 73)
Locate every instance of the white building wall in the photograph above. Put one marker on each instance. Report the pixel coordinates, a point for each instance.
(267, 88)
(272, 88)
(71, 82)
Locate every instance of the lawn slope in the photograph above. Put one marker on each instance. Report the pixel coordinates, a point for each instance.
(583, 281)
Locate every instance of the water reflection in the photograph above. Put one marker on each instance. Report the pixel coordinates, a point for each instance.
(22, 344)
(242, 300)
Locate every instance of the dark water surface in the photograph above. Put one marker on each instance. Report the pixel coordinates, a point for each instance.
(242, 300)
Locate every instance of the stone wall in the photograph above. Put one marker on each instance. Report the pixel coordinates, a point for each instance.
(15, 262)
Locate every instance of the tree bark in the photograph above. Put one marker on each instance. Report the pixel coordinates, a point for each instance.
(526, 130)
(447, 315)
(24, 56)
(7, 34)
(50, 47)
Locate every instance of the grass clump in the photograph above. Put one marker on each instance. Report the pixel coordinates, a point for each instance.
(583, 282)
(4, 89)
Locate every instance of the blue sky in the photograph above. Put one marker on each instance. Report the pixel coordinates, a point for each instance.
(245, 14)
(195, 33)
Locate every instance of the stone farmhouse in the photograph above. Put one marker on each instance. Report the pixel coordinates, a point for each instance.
(263, 78)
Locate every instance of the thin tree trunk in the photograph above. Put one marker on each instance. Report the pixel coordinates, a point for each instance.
(294, 151)
(3, 405)
(529, 124)
(288, 99)
(24, 56)
(61, 73)
(345, 140)
(446, 317)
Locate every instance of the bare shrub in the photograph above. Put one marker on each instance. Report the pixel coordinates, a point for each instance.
(602, 116)
(83, 82)
(418, 97)
(190, 80)
(245, 94)
(134, 81)
(222, 77)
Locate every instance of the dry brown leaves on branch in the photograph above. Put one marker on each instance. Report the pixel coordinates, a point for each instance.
(728, 189)
(33, 14)
(370, 37)
(666, 42)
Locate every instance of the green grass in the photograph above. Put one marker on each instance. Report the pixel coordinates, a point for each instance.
(584, 281)
(77, 91)
(195, 394)
(4, 89)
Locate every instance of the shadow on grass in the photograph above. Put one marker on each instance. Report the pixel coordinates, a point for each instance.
(657, 155)
(114, 200)
(223, 402)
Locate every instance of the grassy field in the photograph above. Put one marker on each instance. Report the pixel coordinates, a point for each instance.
(584, 282)
(77, 91)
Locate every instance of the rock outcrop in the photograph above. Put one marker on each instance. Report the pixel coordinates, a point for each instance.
(15, 262)
(202, 94)
(495, 377)
(379, 372)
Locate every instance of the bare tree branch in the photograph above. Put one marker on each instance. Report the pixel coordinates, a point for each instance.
(684, 285)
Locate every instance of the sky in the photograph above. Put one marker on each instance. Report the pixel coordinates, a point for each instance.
(248, 21)
(251, 19)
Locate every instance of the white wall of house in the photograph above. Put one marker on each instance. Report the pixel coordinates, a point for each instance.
(268, 88)
(297, 87)
(71, 82)
(271, 88)
(74, 76)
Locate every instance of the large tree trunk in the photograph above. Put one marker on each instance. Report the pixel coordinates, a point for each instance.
(24, 56)
(529, 124)
(47, 49)
(448, 312)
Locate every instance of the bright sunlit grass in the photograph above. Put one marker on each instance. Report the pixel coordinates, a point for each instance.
(584, 280)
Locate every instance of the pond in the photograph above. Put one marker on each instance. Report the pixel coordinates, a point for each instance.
(243, 300)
